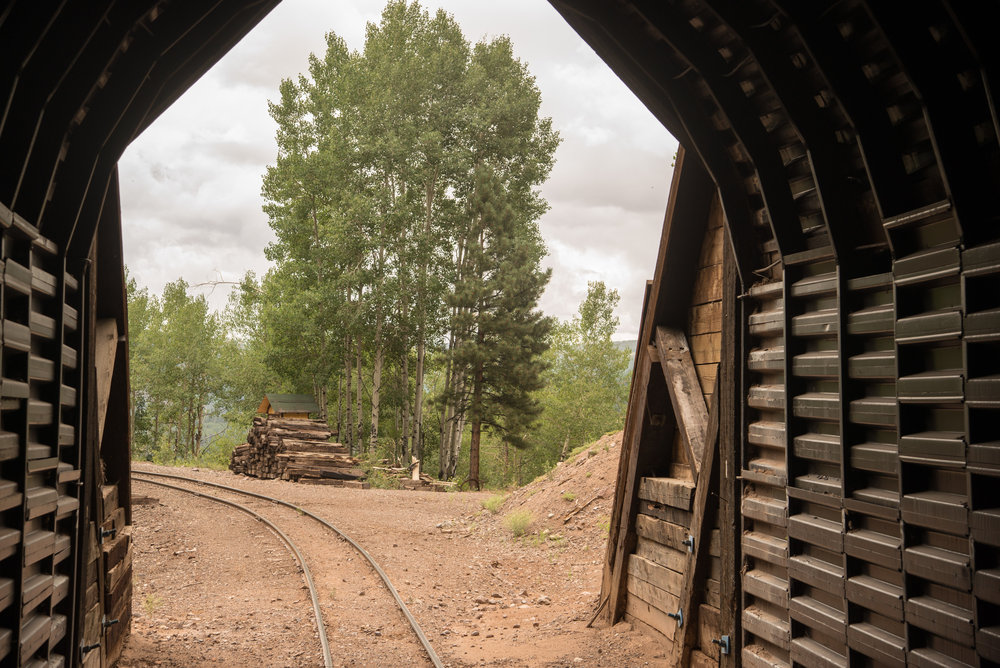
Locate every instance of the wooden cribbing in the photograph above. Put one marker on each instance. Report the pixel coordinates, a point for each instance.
(685, 393)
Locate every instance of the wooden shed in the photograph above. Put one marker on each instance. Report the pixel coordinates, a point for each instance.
(288, 405)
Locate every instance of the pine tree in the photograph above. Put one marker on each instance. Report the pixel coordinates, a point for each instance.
(497, 302)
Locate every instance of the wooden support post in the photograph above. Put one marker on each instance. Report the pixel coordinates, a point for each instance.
(698, 555)
(628, 486)
(731, 428)
(106, 340)
(685, 393)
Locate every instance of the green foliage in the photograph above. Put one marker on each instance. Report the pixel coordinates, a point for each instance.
(568, 496)
(176, 361)
(587, 380)
(518, 522)
(494, 503)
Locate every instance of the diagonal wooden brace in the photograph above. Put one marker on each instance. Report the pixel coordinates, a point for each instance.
(697, 557)
(685, 393)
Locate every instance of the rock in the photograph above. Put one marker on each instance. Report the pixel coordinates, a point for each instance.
(543, 600)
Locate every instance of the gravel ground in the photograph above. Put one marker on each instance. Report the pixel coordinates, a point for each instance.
(213, 587)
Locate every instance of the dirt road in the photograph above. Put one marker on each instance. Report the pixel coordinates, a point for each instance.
(213, 587)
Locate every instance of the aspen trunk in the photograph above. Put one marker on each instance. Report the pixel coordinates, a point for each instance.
(405, 394)
(349, 422)
(376, 385)
(418, 400)
(340, 405)
(358, 405)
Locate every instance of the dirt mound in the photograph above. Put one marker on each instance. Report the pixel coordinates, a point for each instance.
(572, 502)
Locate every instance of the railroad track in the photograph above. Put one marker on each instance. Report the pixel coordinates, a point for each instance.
(317, 612)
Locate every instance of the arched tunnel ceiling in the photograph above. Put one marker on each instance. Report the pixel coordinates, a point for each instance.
(82, 80)
(818, 121)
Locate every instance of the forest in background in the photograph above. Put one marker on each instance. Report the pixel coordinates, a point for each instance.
(406, 275)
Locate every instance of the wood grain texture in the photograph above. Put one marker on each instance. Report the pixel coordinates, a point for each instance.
(685, 392)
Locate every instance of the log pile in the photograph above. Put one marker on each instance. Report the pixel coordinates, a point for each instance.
(405, 479)
(295, 449)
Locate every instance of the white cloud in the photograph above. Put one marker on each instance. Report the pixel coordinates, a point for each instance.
(191, 183)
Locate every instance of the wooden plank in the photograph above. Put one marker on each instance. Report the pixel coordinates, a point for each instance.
(711, 247)
(685, 392)
(666, 533)
(668, 491)
(708, 628)
(699, 660)
(646, 629)
(650, 615)
(705, 348)
(712, 592)
(731, 425)
(655, 574)
(705, 318)
(706, 376)
(707, 284)
(660, 554)
(621, 543)
(660, 599)
(106, 340)
(697, 559)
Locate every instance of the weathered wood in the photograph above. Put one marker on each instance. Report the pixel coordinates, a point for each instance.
(705, 348)
(292, 449)
(659, 598)
(660, 554)
(697, 558)
(651, 615)
(668, 491)
(656, 574)
(685, 392)
(708, 628)
(623, 540)
(707, 284)
(106, 346)
(705, 318)
(666, 533)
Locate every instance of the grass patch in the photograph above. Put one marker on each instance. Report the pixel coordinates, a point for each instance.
(493, 503)
(605, 525)
(151, 603)
(379, 479)
(519, 522)
(568, 496)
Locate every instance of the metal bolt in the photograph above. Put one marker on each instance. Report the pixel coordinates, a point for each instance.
(679, 616)
(689, 541)
(723, 644)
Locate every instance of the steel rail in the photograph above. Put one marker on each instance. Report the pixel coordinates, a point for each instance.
(378, 569)
(320, 626)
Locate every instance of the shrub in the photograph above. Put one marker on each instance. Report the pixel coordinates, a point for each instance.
(568, 496)
(493, 503)
(518, 522)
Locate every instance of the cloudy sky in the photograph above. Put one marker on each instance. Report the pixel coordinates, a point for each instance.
(191, 183)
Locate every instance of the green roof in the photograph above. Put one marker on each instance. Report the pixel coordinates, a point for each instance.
(288, 403)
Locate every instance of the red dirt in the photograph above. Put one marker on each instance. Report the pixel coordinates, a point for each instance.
(213, 587)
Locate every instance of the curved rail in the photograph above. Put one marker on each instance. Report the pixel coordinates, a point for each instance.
(320, 626)
(378, 569)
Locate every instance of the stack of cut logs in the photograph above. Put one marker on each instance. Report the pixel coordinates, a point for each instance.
(295, 449)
